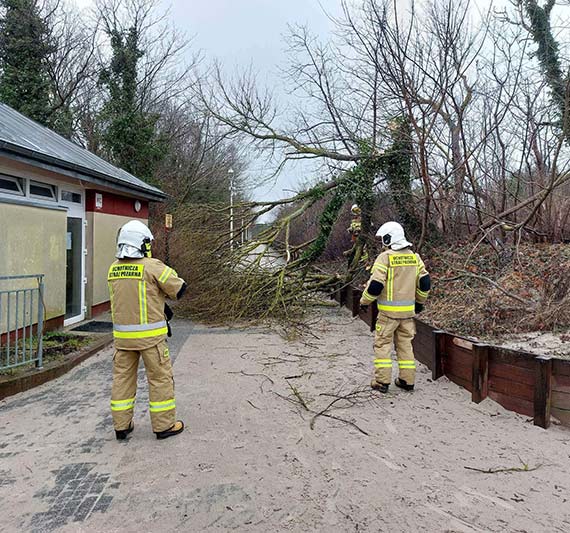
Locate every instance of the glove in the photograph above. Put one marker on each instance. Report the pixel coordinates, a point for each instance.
(419, 308)
(364, 307)
(168, 314)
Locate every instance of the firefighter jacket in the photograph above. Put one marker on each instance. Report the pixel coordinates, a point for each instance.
(355, 226)
(138, 289)
(399, 272)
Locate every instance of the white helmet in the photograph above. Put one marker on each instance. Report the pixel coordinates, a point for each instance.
(133, 240)
(355, 209)
(392, 235)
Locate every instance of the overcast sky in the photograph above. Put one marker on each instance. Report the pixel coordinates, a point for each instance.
(241, 33)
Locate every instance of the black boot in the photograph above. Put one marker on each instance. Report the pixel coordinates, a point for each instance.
(177, 428)
(122, 433)
(380, 387)
(403, 385)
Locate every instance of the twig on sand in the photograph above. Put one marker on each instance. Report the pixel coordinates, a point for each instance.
(524, 468)
(353, 398)
(355, 426)
(298, 376)
(255, 375)
(299, 397)
(299, 400)
(254, 406)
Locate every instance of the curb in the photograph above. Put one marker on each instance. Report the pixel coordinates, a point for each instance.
(33, 378)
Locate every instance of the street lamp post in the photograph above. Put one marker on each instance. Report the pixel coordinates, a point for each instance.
(231, 174)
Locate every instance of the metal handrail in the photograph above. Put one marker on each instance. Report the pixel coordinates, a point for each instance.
(26, 276)
(17, 310)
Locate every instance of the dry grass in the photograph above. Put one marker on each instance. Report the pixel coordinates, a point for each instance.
(518, 291)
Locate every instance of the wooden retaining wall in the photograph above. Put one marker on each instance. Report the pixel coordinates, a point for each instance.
(529, 384)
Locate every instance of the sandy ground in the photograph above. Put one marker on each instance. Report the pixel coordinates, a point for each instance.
(251, 462)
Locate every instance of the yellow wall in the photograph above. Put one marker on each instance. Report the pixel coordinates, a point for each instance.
(104, 230)
(32, 241)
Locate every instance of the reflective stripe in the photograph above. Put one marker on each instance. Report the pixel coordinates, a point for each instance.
(122, 405)
(166, 273)
(390, 288)
(422, 293)
(397, 303)
(167, 405)
(368, 296)
(139, 334)
(407, 363)
(383, 363)
(393, 309)
(401, 306)
(111, 296)
(140, 327)
(142, 302)
(379, 266)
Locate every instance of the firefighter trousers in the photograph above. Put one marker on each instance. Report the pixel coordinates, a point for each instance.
(400, 333)
(158, 368)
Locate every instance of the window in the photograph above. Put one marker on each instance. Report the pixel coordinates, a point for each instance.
(11, 185)
(42, 190)
(73, 197)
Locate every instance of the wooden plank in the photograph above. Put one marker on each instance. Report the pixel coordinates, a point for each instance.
(480, 373)
(452, 366)
(422, 326)
(438, 353)
(561, 367)
(542, 391)
(512, 372)
(463, 343)
(366, 316)
(560, 400)
(423, 350)
(458, 380)
(457, 354)
(518, 405)
(511, 388)
(560, 383)
(511, 357)
(356, 294)
(562, 415)
(343, 295)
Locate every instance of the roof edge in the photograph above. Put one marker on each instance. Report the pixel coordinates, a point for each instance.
(78, 172)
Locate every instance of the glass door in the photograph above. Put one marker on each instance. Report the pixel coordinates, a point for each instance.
(73, 200)
(74, 270)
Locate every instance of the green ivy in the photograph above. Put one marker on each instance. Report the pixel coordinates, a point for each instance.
(130, 133)
(24, 50)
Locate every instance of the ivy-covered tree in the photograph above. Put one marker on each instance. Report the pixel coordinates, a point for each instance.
(548, 55)
(24, 52)
(130, 135)
(397, 167)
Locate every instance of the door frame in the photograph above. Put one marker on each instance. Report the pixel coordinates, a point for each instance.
(75, 210)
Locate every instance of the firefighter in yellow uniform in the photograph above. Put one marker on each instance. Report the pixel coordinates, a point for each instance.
(401, 284)
(355, 223)
(139, 285)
